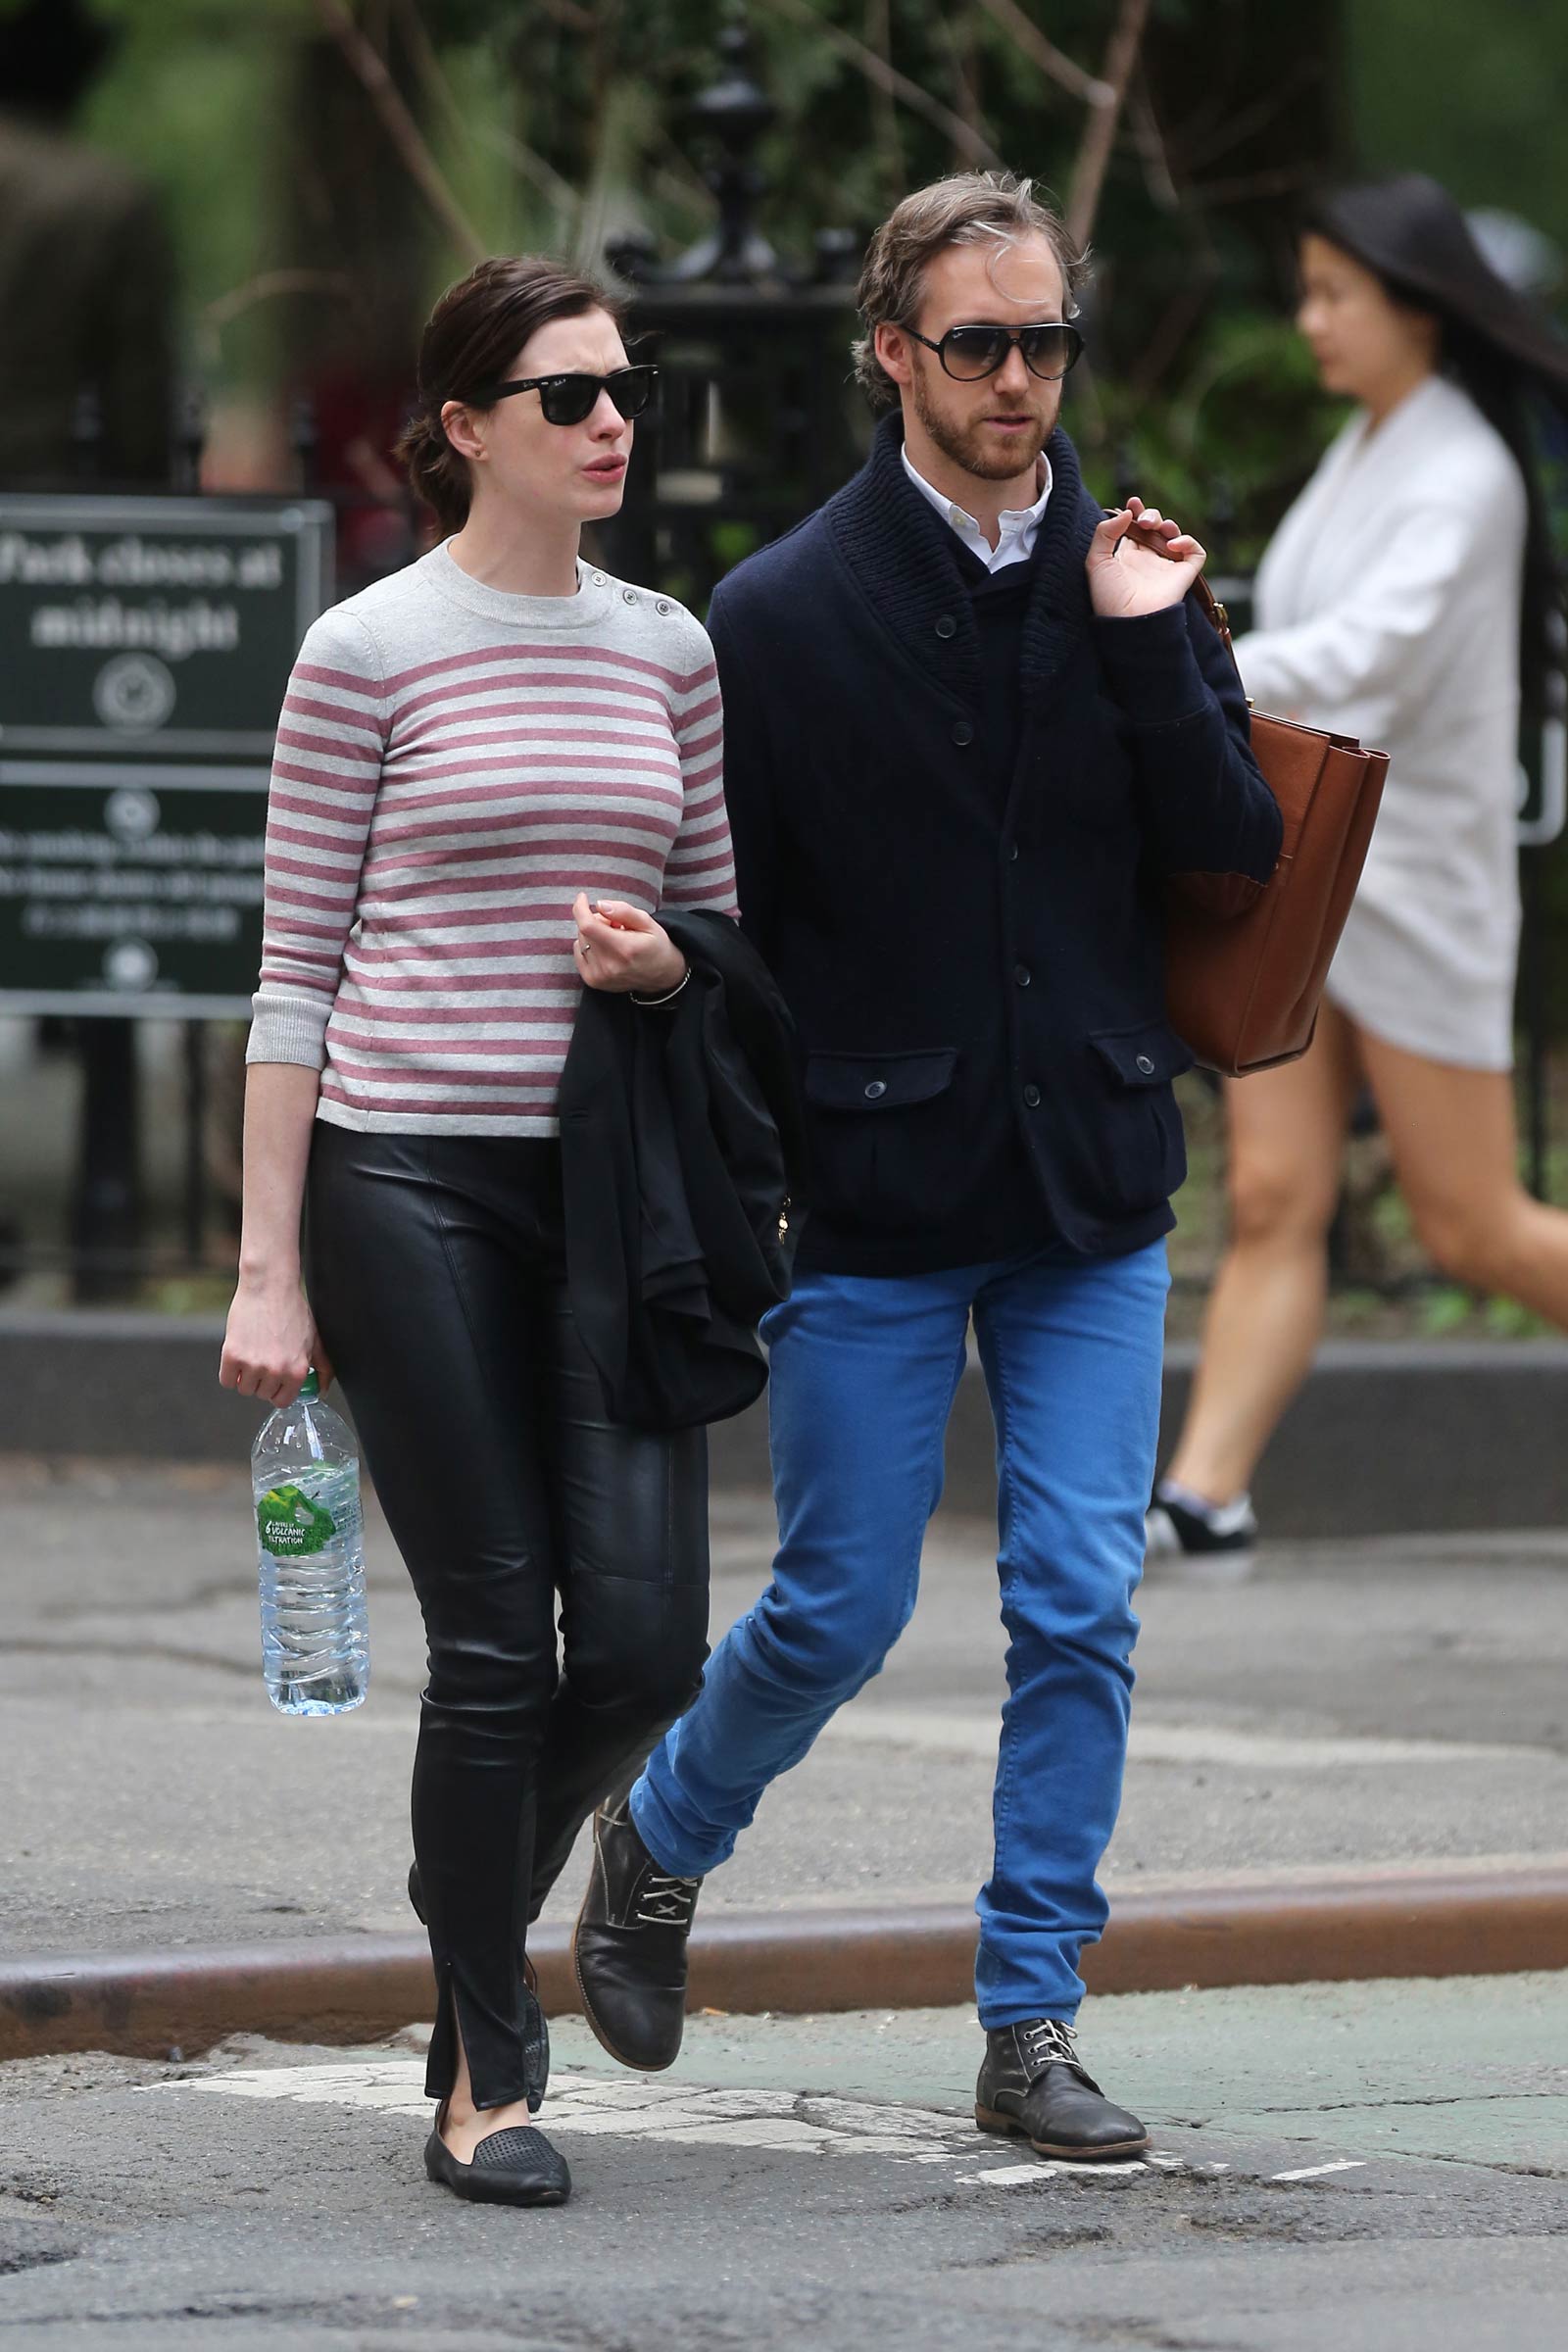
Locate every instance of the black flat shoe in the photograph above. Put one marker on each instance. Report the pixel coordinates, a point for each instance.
(514, 2167)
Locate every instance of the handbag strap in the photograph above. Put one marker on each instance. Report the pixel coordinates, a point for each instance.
(1219, 620)
(1215, 612)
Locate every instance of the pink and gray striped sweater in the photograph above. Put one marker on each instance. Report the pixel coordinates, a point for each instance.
(453, 766)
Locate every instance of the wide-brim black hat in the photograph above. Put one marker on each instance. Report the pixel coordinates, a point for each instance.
(1410, 231)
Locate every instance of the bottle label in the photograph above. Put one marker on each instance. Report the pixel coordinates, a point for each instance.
(291, 1525)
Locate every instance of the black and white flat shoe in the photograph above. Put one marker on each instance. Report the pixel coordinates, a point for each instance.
(514, 2167)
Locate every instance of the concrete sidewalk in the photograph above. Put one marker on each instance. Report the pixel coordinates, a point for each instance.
(1392, 1702)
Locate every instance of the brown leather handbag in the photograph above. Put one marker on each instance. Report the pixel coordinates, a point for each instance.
(1242, 988)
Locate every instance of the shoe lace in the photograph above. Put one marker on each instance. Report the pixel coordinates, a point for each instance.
(1045, 2042)
(666, 1902)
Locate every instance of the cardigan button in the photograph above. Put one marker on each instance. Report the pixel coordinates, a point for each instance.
(1145, 1066)
(1031, 1094)
(962, 732)
(1022, 974)
(947, 626)
(1013, 852)
(876, 1090)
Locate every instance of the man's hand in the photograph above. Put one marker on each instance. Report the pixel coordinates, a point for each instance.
(1139, 563)
(620, 948)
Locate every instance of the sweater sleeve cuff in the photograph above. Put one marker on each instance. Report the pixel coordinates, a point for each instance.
(1151, 668)
(287, 1029)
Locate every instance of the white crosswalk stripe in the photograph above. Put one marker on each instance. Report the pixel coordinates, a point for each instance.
(585, 2106)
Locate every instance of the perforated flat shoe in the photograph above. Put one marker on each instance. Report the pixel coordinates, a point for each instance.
(514, 2167)
(1033, 2086)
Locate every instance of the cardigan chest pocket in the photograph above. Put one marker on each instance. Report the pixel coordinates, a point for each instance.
(1143, 1155)
(887, 1143)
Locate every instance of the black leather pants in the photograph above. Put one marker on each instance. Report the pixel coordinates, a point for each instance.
(434, 1267)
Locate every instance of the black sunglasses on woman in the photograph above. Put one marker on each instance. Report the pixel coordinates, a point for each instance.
(573, 399)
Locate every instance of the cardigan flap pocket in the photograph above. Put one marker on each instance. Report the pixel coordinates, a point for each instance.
(1147, 1056)
(878, 1081)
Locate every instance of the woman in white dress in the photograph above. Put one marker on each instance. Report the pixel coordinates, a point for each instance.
(1404, 599)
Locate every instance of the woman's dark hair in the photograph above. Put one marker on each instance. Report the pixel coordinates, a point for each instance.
(469, 346)
(1412, 235)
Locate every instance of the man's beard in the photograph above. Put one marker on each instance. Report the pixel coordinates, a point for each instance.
(964, 444)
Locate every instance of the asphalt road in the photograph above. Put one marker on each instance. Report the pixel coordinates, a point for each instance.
(1388, 1701)
(1371, 2168)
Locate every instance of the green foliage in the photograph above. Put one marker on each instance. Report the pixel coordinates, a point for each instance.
(1445, 1311)
(192, 101)
(1477, 102)
(1226, 439)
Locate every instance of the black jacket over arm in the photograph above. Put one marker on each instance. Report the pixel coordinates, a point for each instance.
(680, 1143)
(958, 959)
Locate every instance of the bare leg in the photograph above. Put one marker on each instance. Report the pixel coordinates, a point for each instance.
(1456, 1153)
(1265, 1314)
(462, 2125)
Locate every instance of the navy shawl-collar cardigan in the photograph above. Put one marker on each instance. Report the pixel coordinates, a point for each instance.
(960, 960)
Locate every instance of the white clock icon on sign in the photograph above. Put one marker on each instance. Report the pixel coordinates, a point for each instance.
(134, 693)
(131, 814)
(130, 964)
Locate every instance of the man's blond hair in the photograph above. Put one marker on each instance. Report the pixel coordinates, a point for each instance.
(971, 208)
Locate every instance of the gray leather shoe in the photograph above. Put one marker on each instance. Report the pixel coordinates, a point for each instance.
(1033, 2087)
(628, 1949)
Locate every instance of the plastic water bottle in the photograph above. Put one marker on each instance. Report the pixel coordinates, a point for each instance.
(305, 1481)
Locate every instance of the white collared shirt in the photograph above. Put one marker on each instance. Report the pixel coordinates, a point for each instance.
(1019, 525)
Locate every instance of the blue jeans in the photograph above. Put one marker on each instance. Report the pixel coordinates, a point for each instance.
(865, 1370)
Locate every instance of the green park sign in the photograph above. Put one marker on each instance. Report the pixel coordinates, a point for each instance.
(144, 647)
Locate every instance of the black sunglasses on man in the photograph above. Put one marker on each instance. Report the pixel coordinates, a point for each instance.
(969, 353)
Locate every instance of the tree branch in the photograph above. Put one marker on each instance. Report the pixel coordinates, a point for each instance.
(876, 70)
(884, 109)
(369, 68)
(265, 287)
(529, 162)
(1150, 144)
(1100, 137)
(1047, 56)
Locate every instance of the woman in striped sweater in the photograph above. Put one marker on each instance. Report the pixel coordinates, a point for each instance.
(491, 770)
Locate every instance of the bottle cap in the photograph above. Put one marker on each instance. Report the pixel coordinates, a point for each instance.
(311, 1386)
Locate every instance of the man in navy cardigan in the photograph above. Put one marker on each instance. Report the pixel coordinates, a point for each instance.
(973, 727)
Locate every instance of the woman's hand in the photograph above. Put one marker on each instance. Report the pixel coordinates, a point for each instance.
(270, 1343)
(620, 948)
(1139, 563)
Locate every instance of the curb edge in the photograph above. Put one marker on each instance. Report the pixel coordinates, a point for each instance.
(344, 1988)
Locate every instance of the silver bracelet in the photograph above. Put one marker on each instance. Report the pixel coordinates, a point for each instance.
(652, 1001)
